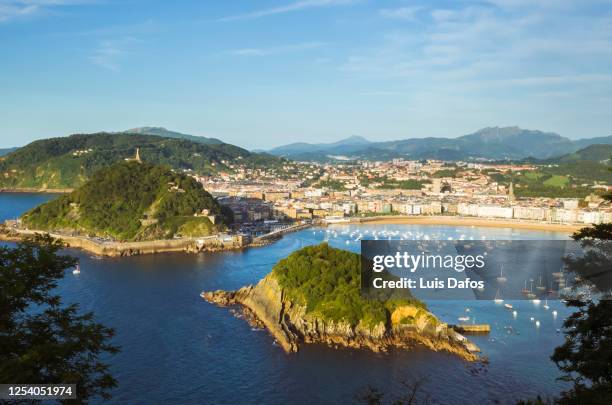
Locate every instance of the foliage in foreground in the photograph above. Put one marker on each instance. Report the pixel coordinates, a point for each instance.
(585, 358)
(43, 341)
(327, 281)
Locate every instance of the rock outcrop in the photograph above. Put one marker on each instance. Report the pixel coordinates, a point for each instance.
(265, 305)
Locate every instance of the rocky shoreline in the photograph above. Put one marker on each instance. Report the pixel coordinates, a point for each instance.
(265, 305)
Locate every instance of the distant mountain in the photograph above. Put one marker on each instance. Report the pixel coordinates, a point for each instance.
(6, 151)
(492, 143)
(347, 145)
(159, 131)
(68, 162)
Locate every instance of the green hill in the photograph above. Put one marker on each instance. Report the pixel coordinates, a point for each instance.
(595, 153)
(132, 201)
(327, 282)
(68, 162)
(159, 131)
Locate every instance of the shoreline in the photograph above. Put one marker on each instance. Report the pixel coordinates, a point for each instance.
(467, 221)
(116, 249)
(218, 243)
(26, 190)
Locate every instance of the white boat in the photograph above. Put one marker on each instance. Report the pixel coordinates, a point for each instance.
(498, 299)
(463, 318)
(77, 270)
(501, 278)
(545, 306)
(508, 306)
(541, 286)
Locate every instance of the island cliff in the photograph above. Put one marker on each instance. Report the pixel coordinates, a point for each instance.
(356, 322)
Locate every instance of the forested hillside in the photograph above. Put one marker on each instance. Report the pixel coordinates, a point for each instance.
(132, 201)
(68, 162)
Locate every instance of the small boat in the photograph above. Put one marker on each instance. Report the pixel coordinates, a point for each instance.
(530, 295)
(525, 290)
(545, 306)
(77, 270)
(508, 306)
(463, 318)
(498, 299)
(541, 286)
(501, 278)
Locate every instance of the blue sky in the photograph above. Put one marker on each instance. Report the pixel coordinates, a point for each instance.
(265, 73)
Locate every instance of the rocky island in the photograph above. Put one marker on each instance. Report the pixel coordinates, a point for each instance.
(313, 296)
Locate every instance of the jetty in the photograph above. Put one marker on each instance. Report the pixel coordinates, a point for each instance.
(274, 235)
(472, 328)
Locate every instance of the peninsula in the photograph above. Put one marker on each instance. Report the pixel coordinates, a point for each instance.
(131, 207)
(313, 296)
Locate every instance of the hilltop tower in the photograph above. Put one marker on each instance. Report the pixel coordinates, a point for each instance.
(137, 157)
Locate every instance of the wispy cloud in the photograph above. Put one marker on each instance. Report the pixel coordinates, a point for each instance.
(287, 8)
(402, 13)
(108, 53)
(15, 9)
(264, 51)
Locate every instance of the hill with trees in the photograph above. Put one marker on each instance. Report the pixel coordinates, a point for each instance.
(133, 201)
(67, 162)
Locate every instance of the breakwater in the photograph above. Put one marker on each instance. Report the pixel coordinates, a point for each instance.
(114, 248)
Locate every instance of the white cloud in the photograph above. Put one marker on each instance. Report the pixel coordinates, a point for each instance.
(14, 9)
(109, 53)
(287, 8)
(402, 13)
(305, 46)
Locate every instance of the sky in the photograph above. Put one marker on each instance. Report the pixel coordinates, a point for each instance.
(263, 73)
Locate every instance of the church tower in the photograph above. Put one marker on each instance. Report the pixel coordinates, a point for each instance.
(511, 192)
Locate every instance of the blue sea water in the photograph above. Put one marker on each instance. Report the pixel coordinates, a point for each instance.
(176, 348)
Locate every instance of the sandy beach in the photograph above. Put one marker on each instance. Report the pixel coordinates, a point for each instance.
(468, 221)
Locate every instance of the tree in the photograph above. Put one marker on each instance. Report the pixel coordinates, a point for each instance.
(41, 340)
(586, 356)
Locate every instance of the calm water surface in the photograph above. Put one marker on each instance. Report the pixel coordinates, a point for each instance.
(178, 349)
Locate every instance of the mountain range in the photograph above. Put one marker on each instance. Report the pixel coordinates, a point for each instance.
(492, 143)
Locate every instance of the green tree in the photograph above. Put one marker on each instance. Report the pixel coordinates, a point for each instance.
(585, 358)
(41, 340)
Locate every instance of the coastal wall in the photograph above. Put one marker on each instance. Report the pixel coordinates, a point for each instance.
(113, 249)
(36, 190)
